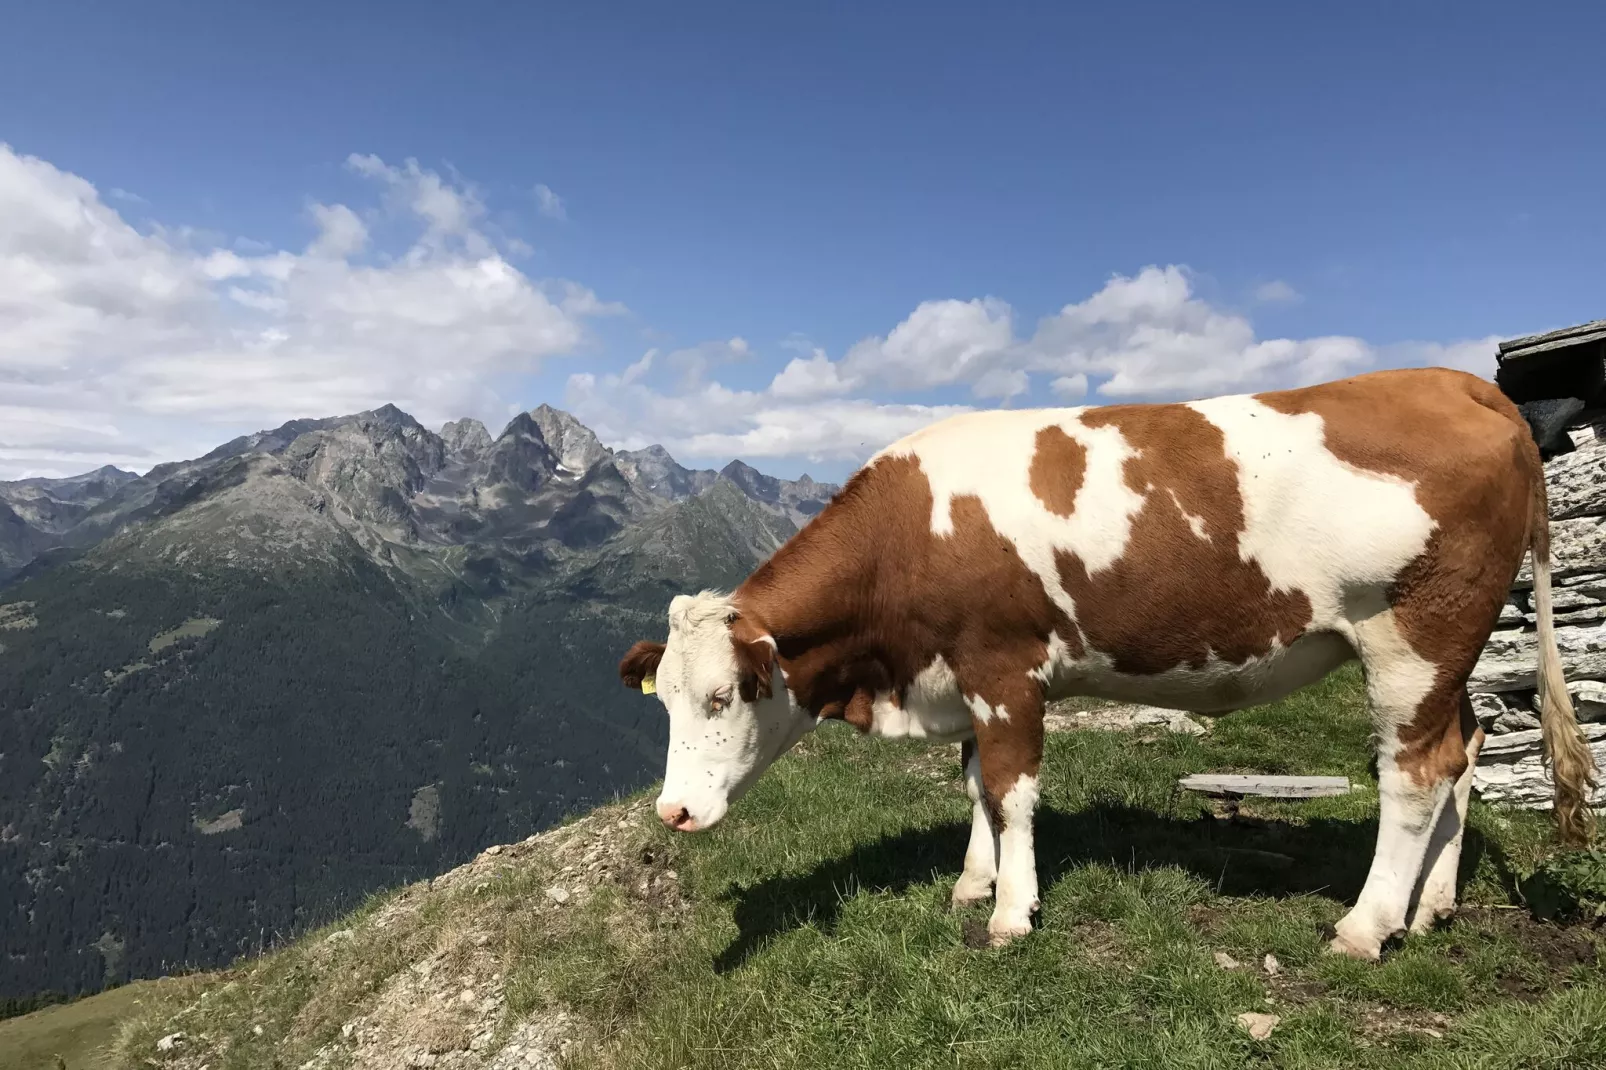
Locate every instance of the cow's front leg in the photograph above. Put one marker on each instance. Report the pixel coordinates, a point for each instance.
(1009, 747)
(981, 857)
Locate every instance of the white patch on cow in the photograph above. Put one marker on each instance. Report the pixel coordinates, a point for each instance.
(989, 455)
(1049, 673)
(985, 712)
(1442, 864)
(1195, 523)
(932, 708)
(715, 756)
(1015, 896)
(1312, 522)
(1397, 680)
(981, 856)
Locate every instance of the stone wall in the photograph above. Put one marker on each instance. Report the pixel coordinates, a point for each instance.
(1502, 685)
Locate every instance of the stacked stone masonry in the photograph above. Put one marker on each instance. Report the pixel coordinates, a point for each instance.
(1502, 686)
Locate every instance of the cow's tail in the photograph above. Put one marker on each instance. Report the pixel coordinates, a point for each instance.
(1572, 766)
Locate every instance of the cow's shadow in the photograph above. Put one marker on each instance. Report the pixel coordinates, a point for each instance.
(1238, 857)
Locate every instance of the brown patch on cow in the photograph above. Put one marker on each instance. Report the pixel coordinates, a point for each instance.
(755, 661)
(1059, 464)
(1130, 610)
(1473, 463)
(640, 662)
(850, 625)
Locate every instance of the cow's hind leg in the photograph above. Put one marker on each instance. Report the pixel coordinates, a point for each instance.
(1008, 716)
(981, 857)
(1421, 756)
(1436, 899)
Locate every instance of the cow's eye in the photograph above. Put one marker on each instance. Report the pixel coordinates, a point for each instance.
(720, 700)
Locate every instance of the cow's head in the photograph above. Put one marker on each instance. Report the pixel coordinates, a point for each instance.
(730, 715)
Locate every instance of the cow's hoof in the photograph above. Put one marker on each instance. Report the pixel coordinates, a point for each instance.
(1342, 945)
(1003, 935)
(1424, 920)
(968, 892)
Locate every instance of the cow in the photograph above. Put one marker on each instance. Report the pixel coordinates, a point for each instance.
(1203, 556)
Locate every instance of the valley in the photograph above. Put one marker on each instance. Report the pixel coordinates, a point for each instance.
(242, 692)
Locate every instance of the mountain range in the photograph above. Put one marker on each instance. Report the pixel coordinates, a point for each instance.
(238, 693)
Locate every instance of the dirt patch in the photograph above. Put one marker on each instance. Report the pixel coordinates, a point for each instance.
(1380, 1023)
(1557, 948)
(1101, 942)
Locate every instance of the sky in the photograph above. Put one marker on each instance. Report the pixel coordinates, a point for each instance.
(789, 235)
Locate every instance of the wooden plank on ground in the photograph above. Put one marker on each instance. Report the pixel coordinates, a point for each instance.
(1277, 787)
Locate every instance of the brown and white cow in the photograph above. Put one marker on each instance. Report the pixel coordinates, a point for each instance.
(1205, 556)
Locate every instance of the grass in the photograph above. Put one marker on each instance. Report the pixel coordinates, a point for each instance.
(78, 1033)
(193, 628)
(812, 928)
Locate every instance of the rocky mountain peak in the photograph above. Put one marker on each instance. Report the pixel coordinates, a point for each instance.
(467, 435)
(572, 442)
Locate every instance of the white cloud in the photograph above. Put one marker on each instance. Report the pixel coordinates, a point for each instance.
(1277, 292)
(712, 421)
(1143, 337)
(548, 203)
(116, 343)
(340, 232)
(134, 346)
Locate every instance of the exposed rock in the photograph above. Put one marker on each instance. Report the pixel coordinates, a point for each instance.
(655, 472)
(1577, 547)
(1576, 481)
(1259, 1026)
(466, 436)
(1226, 961)
(1512, 616)
(1510, 768)
(1511, 656)
(1589, 699)
(572, 442)
(1116, 718)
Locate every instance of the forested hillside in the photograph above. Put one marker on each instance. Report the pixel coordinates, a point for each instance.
(275, 681)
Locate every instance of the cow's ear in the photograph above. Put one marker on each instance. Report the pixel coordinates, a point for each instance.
(755, 668)
(640, 663)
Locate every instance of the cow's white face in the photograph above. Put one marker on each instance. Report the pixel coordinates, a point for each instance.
(730, 716)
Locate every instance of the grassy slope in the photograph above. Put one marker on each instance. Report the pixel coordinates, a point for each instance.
(815, 929)
(78, 1032)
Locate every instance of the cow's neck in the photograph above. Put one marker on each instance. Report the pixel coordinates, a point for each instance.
(813, 597)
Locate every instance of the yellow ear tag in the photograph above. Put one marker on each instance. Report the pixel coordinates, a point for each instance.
(649, 685)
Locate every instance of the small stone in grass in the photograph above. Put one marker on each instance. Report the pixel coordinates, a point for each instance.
(1258, 1025)
(1226, 961)
(1273, 967)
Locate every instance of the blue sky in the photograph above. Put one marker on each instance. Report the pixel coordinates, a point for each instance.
(896, 196)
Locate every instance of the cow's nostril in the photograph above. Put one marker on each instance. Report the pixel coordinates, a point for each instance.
(676, 817)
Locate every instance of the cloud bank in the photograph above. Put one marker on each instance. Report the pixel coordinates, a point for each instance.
(132, 347)
(135, 346)
(1140, 338)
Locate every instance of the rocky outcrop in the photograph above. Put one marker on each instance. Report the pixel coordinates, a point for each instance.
(1502, 685)
(1511, 768)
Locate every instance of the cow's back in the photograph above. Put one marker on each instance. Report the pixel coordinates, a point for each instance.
(1216, 546)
